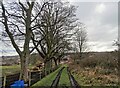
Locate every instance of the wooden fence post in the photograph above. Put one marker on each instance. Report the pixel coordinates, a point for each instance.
(4, 83)
(45, 72)
(30, 78)
(40, 75)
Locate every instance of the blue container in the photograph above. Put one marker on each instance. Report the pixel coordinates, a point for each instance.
(18, 84)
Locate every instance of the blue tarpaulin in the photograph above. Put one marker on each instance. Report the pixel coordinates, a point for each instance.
(18, 84)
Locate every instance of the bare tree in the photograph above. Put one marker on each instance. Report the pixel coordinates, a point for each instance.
(117, 43)
(19, 22)
(81, 39)
(52, 31)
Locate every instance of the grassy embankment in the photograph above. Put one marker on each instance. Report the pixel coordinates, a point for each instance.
(47, 81)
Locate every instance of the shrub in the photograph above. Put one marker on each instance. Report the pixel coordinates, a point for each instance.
(105, 71)
(104, 60)
(88, 62)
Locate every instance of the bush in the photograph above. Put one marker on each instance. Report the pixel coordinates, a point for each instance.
(88, 62)
(103, 60)
(105, 71)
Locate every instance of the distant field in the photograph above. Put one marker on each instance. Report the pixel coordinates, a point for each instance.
(8, 70)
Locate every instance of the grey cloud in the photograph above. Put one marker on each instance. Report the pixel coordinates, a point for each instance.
(102, 28)
(110, 16)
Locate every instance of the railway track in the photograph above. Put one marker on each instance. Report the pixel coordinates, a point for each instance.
(56, 80)
(72, 80)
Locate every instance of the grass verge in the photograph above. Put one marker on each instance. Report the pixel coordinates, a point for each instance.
(64, 79)
(46, 81)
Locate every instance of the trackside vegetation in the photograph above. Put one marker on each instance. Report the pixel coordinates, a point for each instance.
(64, 79)
(47, 81)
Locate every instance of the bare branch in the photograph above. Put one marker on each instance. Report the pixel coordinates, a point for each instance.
(8, 32)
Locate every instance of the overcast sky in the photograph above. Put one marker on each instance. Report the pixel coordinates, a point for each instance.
(101, 20)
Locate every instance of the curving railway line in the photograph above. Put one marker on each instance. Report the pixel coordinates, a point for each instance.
(73, 82)
(56, 80)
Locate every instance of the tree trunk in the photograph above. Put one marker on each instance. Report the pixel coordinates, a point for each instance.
(80, 55)
(118, 61)
(47, 66)
(55, 62)
(59, 61)
(26, 53)
(50, 64)
(24, 67)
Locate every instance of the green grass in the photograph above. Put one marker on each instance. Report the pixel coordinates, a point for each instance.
(64, 79)
(8, 70)
(65, 65)
(47, 81)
